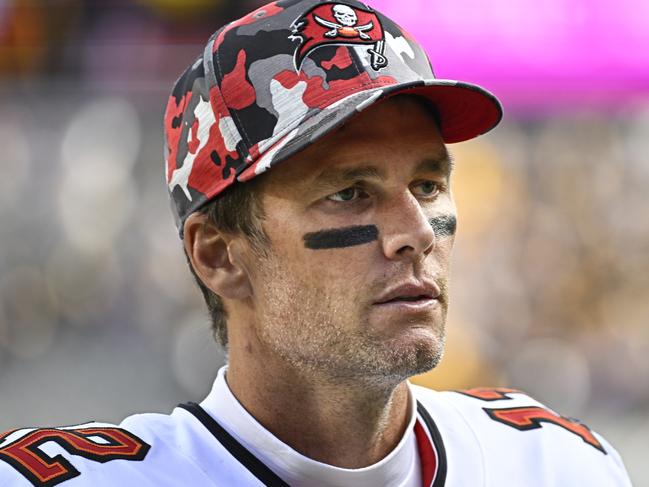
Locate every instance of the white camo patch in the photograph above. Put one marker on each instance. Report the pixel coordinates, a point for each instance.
(288, 104)
(206, 120)
(231, 135)
(400, 46)
(290, 109)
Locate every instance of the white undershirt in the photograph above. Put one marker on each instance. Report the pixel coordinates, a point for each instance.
(401, 467)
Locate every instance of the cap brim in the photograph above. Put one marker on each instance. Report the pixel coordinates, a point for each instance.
(465, 111)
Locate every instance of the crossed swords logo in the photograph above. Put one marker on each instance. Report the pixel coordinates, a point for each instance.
(347, 28)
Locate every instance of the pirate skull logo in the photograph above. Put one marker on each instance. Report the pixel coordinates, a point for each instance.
(343, 25)
(346, 26)
(345, 15)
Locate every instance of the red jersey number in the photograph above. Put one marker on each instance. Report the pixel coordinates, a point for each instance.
(42, 470)
(530, 417)
(533, 417)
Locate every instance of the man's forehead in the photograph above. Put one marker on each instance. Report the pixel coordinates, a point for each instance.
(439, 161)
(315, 171)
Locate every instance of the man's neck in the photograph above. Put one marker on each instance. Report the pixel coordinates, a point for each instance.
(348, 426)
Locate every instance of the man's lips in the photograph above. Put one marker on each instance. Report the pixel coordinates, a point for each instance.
(403, 306)
(412, 292)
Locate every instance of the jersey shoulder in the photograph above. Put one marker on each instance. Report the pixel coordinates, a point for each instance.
(143, 450)
(521, 438)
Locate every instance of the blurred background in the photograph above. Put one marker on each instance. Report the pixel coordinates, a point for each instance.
(99, 317)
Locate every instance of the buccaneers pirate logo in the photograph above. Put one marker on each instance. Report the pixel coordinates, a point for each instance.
(339, 24)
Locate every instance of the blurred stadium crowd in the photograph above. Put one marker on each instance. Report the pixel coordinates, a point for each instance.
(98, 314)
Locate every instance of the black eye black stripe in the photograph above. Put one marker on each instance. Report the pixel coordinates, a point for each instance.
(341, 237)
(444, 226)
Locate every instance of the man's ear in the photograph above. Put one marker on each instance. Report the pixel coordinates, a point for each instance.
(215, 259)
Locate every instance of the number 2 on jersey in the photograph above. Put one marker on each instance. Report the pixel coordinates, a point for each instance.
(96, 444)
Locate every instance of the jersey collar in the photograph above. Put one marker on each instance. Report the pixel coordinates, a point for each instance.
(418, 458)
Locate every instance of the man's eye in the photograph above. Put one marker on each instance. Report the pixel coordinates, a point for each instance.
(429, 188)
(347, 194)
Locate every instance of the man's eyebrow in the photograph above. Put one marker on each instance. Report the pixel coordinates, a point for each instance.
(332, 176)
(443, 164)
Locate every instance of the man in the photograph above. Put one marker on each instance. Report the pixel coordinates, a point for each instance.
(310, 180)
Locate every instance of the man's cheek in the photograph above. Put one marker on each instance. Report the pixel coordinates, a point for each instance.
(346, 261)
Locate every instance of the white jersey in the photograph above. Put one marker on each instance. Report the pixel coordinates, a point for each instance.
(480, 437)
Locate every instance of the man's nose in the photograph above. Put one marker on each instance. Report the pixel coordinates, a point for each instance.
(405, 229)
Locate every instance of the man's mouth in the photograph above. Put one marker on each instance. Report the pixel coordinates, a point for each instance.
(411, 292)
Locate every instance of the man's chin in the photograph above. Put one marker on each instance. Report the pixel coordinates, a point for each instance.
(423, 350)
(415, 351)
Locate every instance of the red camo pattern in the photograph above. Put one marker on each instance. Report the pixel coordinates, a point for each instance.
(236, 83)
(341, 60)
(317, 96)
(173, 129)
(207, 176)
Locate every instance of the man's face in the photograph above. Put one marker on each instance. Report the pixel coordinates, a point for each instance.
(349, 219)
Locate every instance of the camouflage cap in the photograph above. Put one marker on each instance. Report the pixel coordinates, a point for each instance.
(273, 82)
